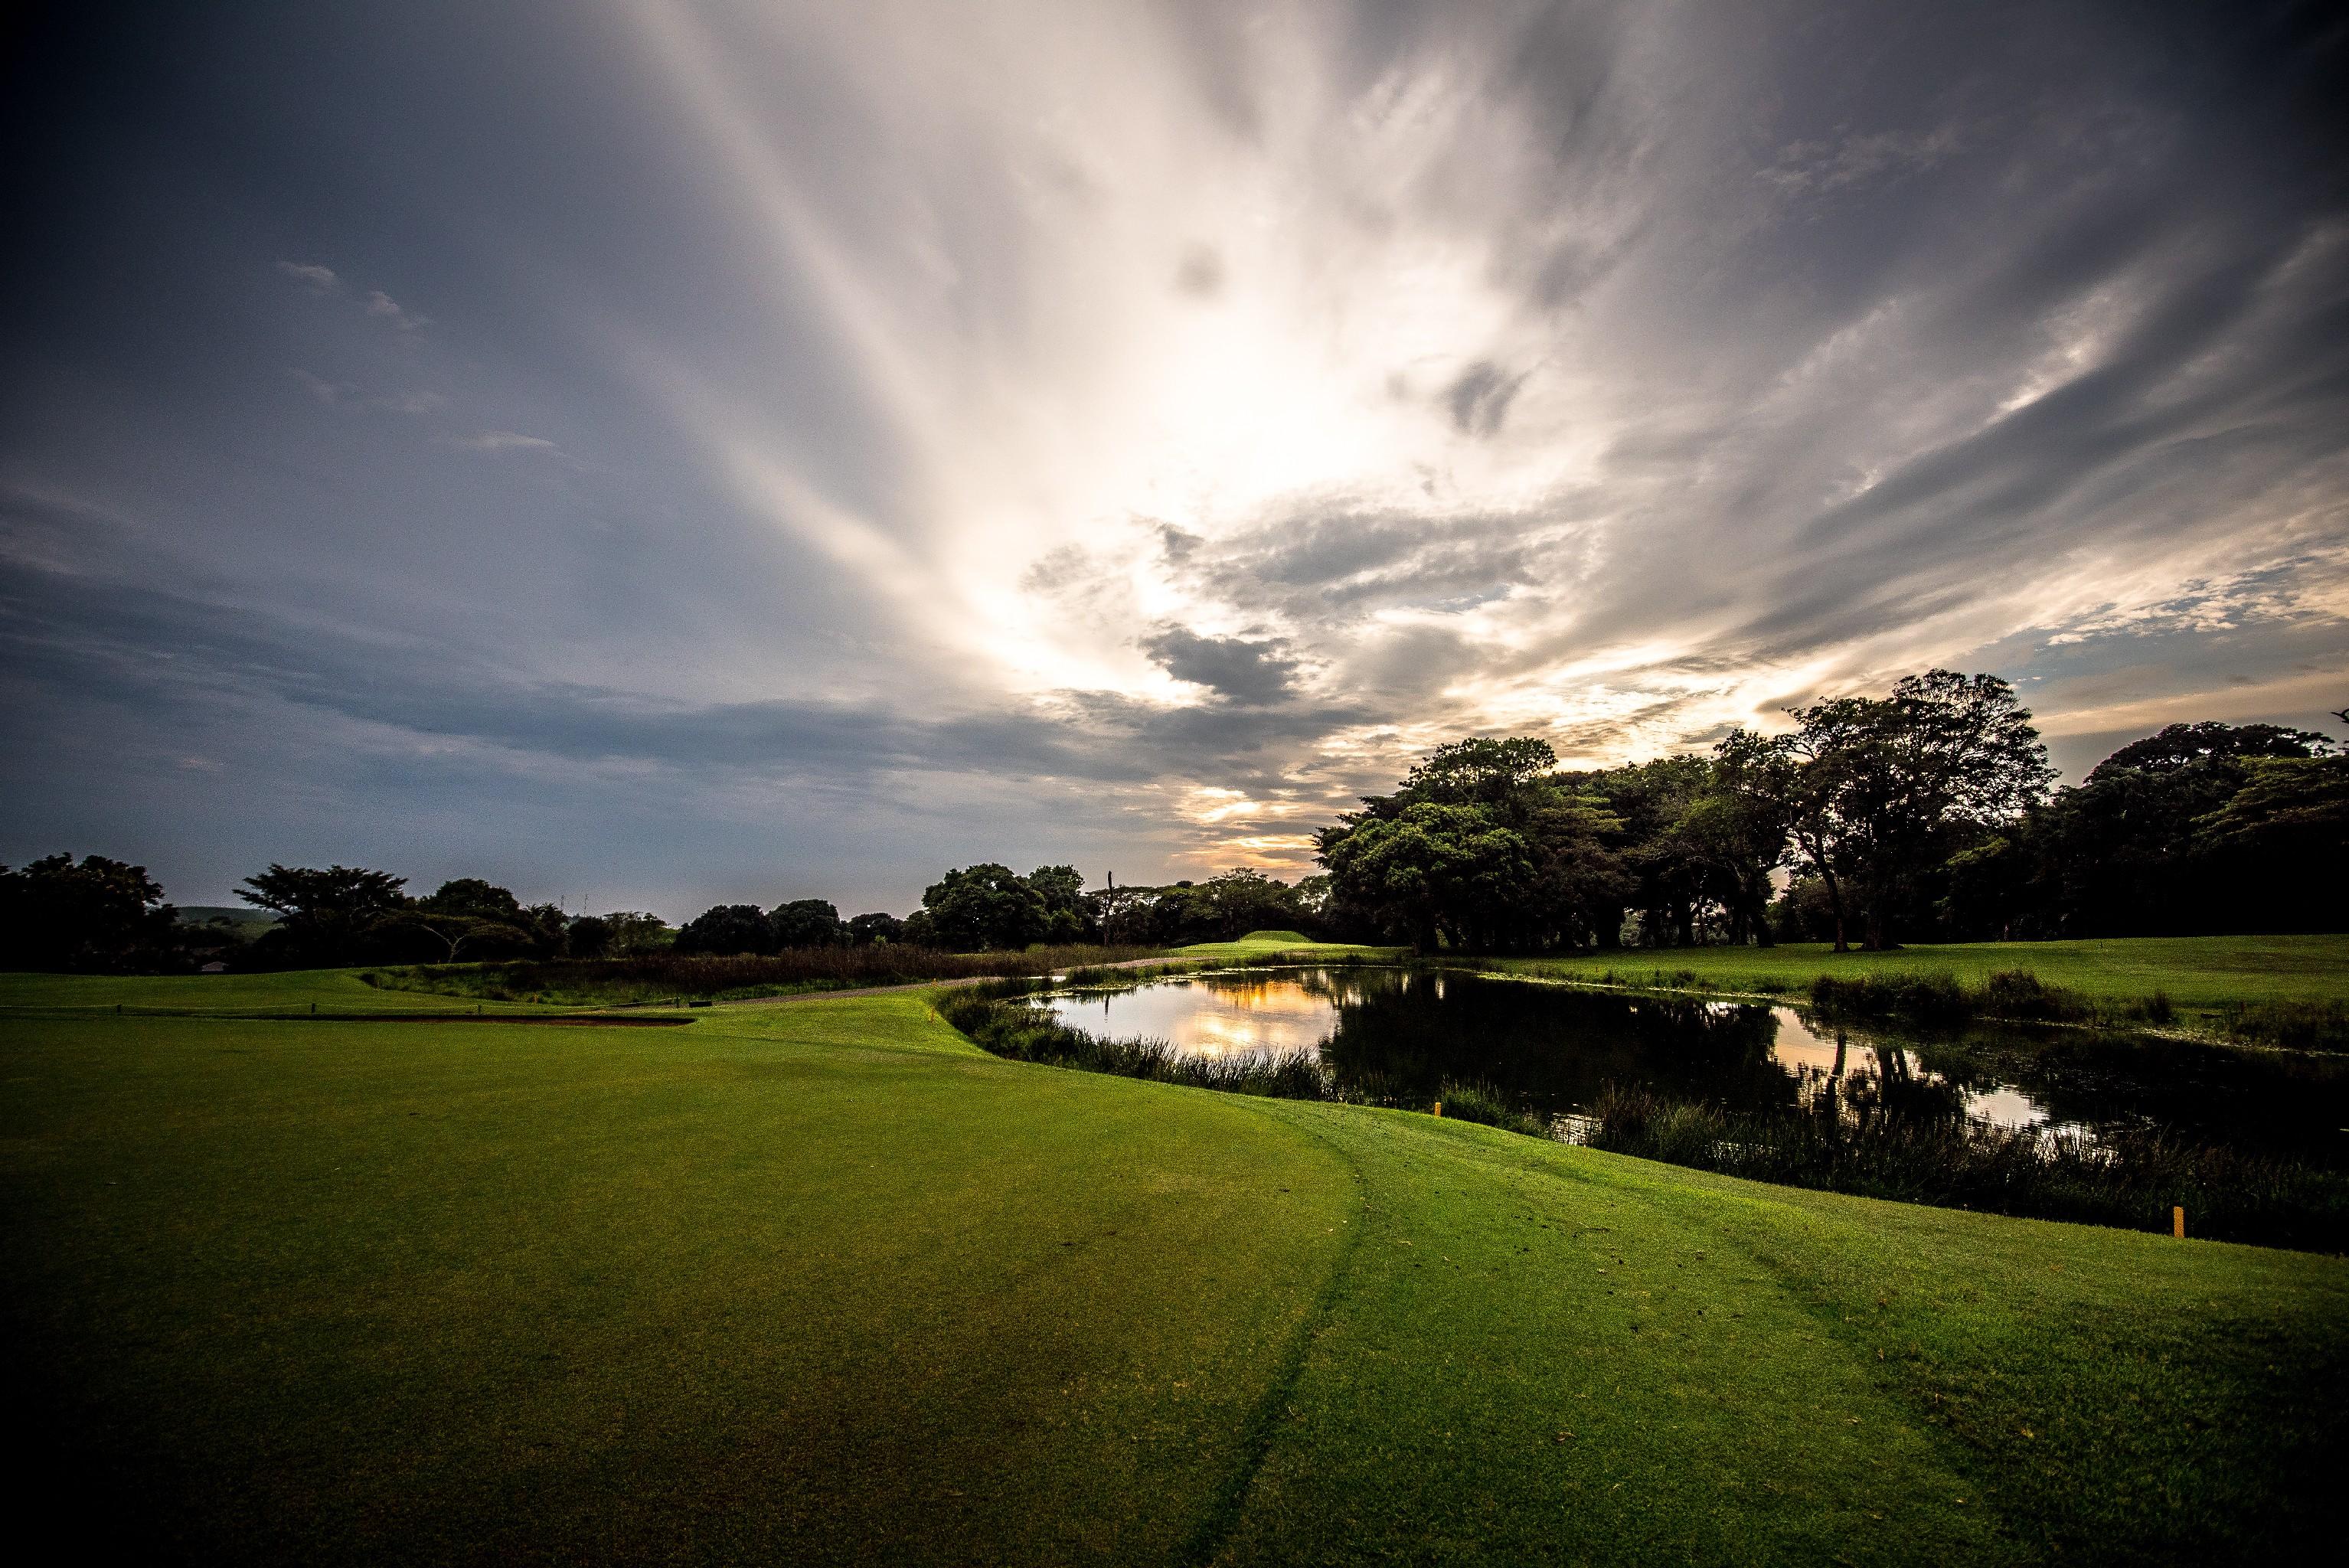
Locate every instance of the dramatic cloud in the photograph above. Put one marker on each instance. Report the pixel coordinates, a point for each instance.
(1073, 430)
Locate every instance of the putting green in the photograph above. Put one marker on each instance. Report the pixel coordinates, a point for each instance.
(820, 1281)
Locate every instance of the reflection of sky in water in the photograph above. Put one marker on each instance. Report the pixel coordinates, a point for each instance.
(1209, 1018)
(1815, 1059)
(1233, 1014)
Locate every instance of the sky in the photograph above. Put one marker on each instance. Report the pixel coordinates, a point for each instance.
(661, 454)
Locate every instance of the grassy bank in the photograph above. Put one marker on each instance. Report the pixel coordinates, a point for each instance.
(2288, 991)
(822, 1282)
(2195, 972)
(1266, 945)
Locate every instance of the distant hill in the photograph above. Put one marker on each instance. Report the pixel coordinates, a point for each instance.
(234, 913)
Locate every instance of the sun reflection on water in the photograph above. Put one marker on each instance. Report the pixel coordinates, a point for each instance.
(1217, 1018)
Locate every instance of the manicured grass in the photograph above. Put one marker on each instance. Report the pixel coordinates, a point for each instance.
(2199, 972)
(1274, 944)
(820, 1282)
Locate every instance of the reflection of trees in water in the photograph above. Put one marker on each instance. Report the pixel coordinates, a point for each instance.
(2282, 1102)
(1398, 1035)
(1406, 1033)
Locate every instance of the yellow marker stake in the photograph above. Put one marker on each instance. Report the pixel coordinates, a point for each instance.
(2178, 1222)
(1439, 1110)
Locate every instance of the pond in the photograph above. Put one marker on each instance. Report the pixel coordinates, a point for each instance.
(1398, 1035)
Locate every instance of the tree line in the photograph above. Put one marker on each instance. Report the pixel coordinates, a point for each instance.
(99, 915)
(1925, 814)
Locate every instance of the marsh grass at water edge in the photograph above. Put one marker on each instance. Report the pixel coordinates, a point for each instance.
(2129, 1178)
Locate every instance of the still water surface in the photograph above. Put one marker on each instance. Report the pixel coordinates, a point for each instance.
(1553, 1048)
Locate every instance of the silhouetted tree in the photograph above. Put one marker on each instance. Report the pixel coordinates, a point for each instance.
(331, 916)
(807, 923)
(726, 929)
(98, 914)
(876, 930)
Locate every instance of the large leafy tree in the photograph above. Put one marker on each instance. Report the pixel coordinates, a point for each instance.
(2286, 834)
(1482, 845)
(877, 930)
(726, 929)
(807, 923)
(2183, 745)
(1882, 790)
(332, 916)
(985, 906)
(1062, 889)
(468, 914)
(95, 914)
(2139, 849)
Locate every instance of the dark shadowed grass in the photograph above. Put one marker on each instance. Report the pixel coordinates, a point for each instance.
(660, 977)
(2128, 1178)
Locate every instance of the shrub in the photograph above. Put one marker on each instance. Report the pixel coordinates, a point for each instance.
(1942, 999)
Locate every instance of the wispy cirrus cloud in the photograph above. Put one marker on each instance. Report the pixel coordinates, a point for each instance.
(316, 278)
(495, 443)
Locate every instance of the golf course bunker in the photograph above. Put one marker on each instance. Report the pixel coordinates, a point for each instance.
(1398, 1034)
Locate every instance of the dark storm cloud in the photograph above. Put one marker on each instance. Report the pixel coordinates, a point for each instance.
(626, 430)
(144, 650)
(1255, 672)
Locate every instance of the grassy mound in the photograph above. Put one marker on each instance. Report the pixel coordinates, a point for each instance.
(820, 1282)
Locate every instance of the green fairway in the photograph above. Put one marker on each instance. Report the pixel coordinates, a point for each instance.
(820, 1281)
(1273, 943)
(2194, 972)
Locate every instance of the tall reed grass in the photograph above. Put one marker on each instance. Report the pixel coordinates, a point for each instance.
(2128, 1178)
(2292, 1025)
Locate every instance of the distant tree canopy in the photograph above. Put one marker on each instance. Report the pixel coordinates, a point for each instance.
(2249, 835)
(97, 915)
(2183, 745)
(982, 906)
(807, 923)
(1925, 814)
(728, 928)
(876, 930)
(1486, 845)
